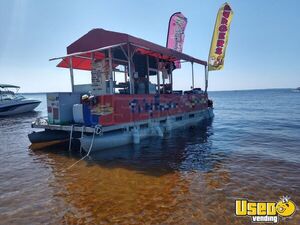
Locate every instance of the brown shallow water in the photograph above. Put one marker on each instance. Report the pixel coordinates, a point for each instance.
(192, 176)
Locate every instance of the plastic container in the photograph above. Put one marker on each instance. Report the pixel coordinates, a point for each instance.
(78, 113)
(88, 118)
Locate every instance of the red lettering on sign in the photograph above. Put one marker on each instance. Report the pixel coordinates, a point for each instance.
(224, 21)
(223, 28)
(219, 51)
(227, 7)
(220, 43)
(226, 14)
(221, 36)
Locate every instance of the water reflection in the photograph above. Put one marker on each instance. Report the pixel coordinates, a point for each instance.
(183, 177)
(188, 149)
(181, 150)
(159, 181)
(191, 176)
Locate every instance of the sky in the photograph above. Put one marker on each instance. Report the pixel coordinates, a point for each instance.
(263, 48)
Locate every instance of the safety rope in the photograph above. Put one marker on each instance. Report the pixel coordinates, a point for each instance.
(97, 131)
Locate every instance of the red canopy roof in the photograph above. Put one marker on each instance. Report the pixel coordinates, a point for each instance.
(81, 62)
(100, 38)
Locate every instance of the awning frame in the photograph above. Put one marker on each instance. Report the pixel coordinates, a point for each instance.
(129, 49)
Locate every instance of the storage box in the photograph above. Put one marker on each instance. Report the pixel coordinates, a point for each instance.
(60, 107)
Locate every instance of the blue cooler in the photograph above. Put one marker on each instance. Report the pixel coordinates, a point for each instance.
(94, 119)
(89, 119)
(86, 115)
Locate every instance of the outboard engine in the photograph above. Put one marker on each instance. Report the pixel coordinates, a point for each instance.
(210, 103)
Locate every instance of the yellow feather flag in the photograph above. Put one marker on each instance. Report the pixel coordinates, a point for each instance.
(220, 38)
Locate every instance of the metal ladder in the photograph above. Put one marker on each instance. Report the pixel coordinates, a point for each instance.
(71, 137)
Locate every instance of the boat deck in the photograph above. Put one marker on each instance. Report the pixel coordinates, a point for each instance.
(42, 123)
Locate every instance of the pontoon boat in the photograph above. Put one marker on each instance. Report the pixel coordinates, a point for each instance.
(131, 95)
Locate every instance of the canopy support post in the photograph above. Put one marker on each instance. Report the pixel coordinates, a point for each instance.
(193, 81)
(148, 75)
(111, 88)
(71, 73)
(158, 80)
(131, 84)
(171, 77)
(163, 80)
(206, 78)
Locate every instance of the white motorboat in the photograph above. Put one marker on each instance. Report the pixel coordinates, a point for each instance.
(12, 103)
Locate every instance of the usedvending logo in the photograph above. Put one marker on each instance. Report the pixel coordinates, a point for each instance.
(262, 212)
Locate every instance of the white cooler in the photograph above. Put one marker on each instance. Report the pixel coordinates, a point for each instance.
(78, 113)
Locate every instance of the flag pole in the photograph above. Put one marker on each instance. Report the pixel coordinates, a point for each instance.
(206, 78)
(219, 41)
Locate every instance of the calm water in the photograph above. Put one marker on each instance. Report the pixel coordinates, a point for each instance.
(250, 150)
